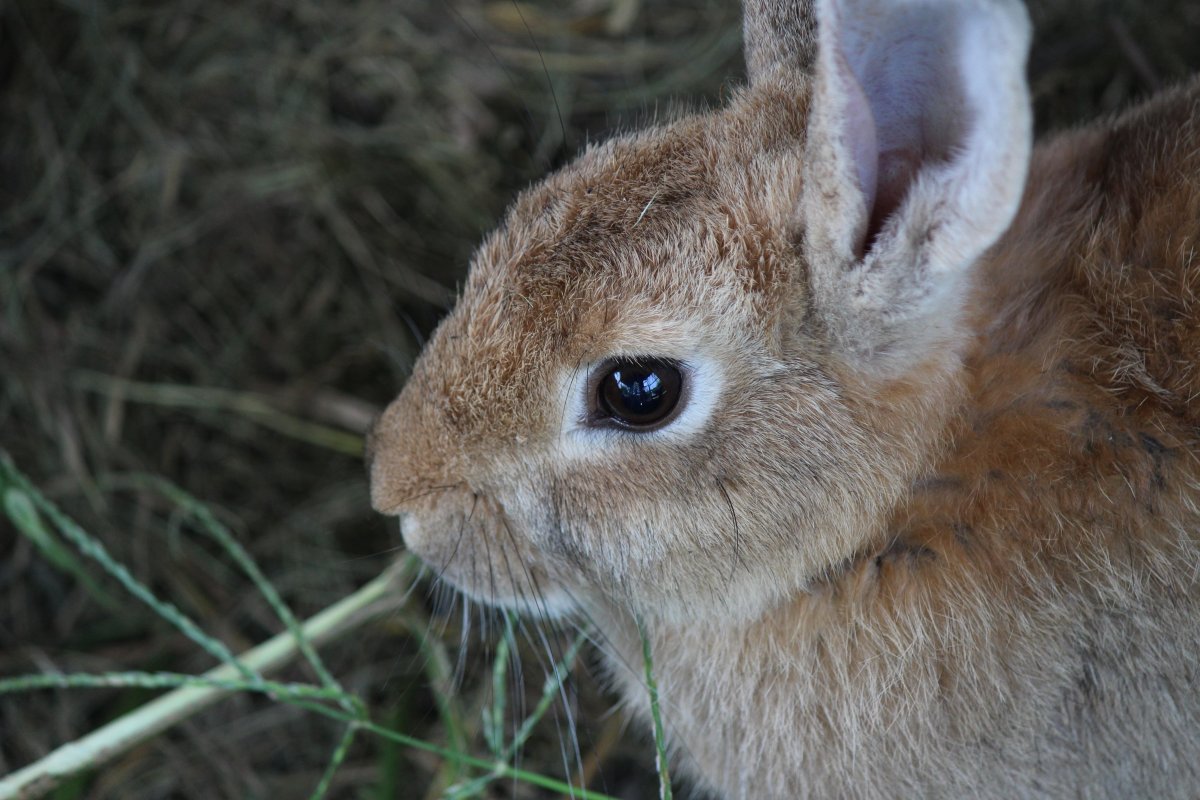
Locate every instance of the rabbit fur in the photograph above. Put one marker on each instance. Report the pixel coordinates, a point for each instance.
(927, 523)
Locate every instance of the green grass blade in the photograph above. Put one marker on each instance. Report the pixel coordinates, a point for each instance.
(214, 528)
(91, 547)
(24, 515)
(660, 743)
(440, 679)
(335, 761)
(493, 715)
(550, 690)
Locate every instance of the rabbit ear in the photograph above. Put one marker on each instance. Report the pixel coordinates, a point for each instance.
(917, 150)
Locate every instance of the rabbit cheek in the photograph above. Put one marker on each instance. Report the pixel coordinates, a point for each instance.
(468, 541)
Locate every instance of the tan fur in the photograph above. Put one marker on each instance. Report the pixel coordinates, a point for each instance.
(978, 578)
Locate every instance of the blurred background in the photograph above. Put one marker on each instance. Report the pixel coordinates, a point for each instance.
(226, 227)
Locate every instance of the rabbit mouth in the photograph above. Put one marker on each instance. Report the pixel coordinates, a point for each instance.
(468, 541)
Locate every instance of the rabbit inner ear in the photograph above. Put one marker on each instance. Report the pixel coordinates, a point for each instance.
(898, 72)
(895, 171)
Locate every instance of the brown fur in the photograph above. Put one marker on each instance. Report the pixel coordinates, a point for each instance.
(975, 577)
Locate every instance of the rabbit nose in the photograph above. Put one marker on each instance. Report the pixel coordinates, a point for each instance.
(407, 455)
(390, 468)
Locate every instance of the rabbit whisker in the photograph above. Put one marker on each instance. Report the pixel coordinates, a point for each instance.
(516, 89)
(737, 538)
(562, 125)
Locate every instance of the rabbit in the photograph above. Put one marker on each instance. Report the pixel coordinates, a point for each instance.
(879, 420)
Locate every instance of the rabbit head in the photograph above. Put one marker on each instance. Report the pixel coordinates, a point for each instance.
(692, 371)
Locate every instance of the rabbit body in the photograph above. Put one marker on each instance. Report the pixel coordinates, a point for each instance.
(1028, 625)
(927, 524)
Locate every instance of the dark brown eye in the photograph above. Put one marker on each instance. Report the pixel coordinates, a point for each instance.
(639, 394)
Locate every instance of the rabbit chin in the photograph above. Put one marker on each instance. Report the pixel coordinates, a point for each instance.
(486, 571)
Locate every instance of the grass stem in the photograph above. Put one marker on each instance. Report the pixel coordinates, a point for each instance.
(156, 716)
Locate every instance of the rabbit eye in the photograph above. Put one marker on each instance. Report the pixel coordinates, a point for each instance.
(638, 394)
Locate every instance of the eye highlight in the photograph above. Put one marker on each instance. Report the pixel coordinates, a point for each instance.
(638, 394)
